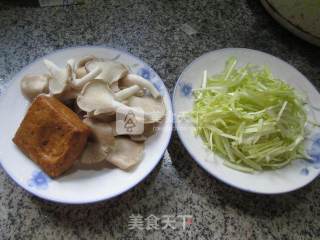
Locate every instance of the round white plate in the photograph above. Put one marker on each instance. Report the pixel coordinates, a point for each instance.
(299, 23)
(82, 186)
(289, 178)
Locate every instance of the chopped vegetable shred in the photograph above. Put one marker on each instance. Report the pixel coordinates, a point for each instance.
(251, 119)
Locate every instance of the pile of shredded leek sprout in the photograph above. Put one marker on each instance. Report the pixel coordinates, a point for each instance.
(251, 119)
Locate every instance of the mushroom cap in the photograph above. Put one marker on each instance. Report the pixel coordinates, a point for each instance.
(126, 153)
(112, 71)
(82, 62)
(155, 108)
(33, 85)
(96, 97)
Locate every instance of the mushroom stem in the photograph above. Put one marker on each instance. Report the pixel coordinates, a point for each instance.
(79, 83)
(97, 97)
(127, 92)
(72, 63)
(119, 107)
(138, 113)
(54, 69)
(133, 79)
(59, 79)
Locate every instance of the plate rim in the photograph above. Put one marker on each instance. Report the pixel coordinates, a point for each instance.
(130, 186)
(199, 162)
(298, 32)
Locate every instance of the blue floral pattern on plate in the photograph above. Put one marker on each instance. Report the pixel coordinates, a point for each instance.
(158, 86)
(39, 180)
(148, 74)
(304, 171)
(314, 152)
(186, 89)
(145, 73)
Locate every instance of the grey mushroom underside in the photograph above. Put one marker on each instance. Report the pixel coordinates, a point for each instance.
(126, 153)
(148, 131)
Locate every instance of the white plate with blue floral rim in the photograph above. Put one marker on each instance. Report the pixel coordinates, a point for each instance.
(81, 186)
(293, 176)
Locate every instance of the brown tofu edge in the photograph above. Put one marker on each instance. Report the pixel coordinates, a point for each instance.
(80, 134)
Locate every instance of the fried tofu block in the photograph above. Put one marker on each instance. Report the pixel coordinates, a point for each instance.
(51, 135)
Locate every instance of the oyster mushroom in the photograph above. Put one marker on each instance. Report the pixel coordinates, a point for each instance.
(103, 133)
(126, 153)
(82, 62)
(148, 131)
(155, 108)
(81, 70)
(63, 82)
(120, 151)
(78, 83)
(102, 117)
(112, 71)
(59, 77)
(102, 144)
(133, 79)
(93, 153)
(124, 93)
(97, 98)
(33, 85)
(72, 63)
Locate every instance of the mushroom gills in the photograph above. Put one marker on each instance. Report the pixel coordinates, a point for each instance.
(155, 108)
(111, 73)
(97, 98)
(95, 95)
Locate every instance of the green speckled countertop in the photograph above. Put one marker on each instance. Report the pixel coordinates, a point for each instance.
(153, 31)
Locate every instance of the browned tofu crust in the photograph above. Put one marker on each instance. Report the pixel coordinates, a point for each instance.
(51, 135)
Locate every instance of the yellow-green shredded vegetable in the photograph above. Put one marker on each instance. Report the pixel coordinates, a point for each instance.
(251, 119)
